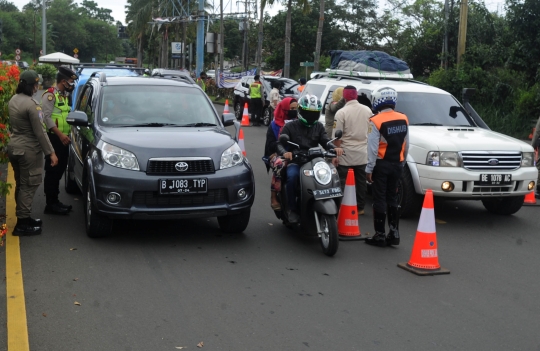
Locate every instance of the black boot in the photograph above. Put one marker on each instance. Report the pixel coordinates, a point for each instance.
(68, 207)
(56, 208)
(35, 222)
(379, 239)
(24, 227)
(393, 224)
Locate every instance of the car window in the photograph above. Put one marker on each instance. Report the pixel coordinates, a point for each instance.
(85, 103)
(314, 89)
(433, 109)
(289, 87)
(141, 104)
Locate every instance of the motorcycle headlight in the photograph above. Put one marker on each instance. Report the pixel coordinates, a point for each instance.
(443, 159)
(118, 157)
(527, 159)
(231, 157)
(322, 172)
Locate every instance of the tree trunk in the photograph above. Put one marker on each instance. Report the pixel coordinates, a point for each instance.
(287, 66)
(184, 44)
(140, 50)
(319, 37)
(259, 46)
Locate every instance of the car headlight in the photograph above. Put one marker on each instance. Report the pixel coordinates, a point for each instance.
(231, 157)
(443, 159)
(119, 157)
(527, 159)
(322, 172)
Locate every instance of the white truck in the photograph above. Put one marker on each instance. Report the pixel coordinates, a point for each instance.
(452, 151)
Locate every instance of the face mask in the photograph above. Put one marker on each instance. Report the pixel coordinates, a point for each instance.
(292, 114)
(69, 87)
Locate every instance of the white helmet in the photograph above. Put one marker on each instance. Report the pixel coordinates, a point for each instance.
(383, 97)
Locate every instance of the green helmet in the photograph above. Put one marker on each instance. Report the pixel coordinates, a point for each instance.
(309, 110)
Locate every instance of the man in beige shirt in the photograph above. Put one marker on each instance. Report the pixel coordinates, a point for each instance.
(353, 120)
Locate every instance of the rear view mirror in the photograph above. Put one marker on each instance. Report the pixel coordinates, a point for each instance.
(228, 119)
(284, 138)
(338, 134)
(77, 118)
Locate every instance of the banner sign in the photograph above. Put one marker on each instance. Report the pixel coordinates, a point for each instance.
(272, 73)
(229, 80)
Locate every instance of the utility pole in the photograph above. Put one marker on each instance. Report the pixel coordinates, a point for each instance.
(200, 39)
(444, 59)
(462, 36)
(221, 40)
(44, 30)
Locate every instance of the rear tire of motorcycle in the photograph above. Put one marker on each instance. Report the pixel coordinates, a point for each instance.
(266, 117)
(238, 110)
(330, 236)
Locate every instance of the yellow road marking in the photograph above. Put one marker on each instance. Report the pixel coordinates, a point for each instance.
(17, 329)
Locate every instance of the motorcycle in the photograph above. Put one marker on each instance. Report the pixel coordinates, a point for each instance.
(318, 190)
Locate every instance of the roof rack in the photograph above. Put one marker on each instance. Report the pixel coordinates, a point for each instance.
(369, 75)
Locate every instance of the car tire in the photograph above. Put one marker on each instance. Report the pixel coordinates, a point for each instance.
(238, 111)
(69, 182)
(235, 223)
(504, 205)
(408, 199)
(266, 116)
(97, 225)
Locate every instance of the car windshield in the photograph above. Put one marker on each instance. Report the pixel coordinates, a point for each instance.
(155, 106)
(314, 89)
(431, 109)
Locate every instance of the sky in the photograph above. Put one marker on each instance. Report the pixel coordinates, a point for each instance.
(118, 9)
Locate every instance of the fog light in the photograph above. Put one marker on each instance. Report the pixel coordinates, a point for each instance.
(531, 185)
(242, 194)
(447, 186)
(113, 198)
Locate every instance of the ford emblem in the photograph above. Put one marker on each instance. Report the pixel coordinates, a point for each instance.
(493, 162)
(181, 166)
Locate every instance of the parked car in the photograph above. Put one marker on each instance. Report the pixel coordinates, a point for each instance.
(452, 151)
(289, 88)
(172, 74)
(154, 149)
(23, 65)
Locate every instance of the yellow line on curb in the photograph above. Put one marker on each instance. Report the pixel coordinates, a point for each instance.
(17, 329)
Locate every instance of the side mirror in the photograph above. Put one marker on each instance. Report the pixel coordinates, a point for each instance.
(228, 119)
(284, 138)
(77, 118)
(338, 134)
(453, 111)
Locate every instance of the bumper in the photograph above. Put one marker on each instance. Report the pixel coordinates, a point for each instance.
(466, 183)
(140, 198)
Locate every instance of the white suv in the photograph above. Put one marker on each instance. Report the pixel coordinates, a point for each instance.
(452, 151)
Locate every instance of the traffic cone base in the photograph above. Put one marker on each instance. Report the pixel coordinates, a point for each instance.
(425, 255)
(245, 116)
(348, 227)
(530, 199)
(226, 108)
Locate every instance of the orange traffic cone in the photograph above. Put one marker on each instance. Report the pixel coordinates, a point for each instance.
(245, 116)
(348, 227)
(530, 199)
(425, 257)
(226, 109)
(241, 142)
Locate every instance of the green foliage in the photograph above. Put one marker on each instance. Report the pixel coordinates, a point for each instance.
(46, 70)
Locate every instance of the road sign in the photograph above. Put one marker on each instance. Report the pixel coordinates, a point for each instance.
(93, 59)
(17, 51)
(307, 64)
(75, 55)
(17, 58)
(76, 51)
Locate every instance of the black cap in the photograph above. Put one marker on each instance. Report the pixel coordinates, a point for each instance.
(67, 72)
(302, 80)
(30, 77)
(257, 77)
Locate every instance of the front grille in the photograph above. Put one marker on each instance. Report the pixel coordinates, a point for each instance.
(202, 166)
(479, 160)
(154, 199)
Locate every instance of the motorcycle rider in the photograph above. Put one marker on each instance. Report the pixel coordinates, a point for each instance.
(388, 145)
(307, 132)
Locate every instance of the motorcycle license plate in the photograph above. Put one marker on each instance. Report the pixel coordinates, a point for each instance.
(326, 193)
(183, 186)
(495, 179)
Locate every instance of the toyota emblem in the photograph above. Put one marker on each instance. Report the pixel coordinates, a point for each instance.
(493, 162)
(181, 166)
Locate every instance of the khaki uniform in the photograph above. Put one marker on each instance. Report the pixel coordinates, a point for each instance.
(26, 147)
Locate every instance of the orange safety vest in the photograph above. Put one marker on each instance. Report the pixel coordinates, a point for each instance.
(393, 127)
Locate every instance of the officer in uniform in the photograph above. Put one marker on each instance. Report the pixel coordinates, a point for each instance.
(54, 103)
(201, 80)
(388, 144)
(257, 100)
(26, 147)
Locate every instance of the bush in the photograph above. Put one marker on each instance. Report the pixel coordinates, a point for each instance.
(48, 73)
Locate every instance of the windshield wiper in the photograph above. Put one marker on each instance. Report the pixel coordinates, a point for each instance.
(426, 124)
(199, 124)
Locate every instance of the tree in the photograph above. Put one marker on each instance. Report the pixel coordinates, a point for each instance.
(6, 6)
